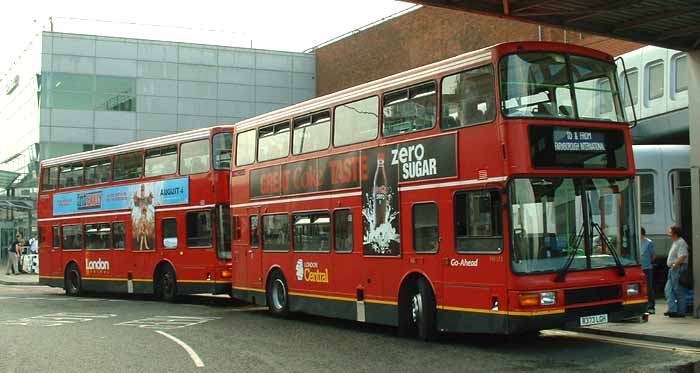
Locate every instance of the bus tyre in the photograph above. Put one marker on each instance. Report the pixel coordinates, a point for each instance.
(422, 310)
(277, 294)
(73, 281)
(167, 284)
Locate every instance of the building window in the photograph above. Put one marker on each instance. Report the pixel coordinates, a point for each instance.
(97, 171)
(426, 237)
(312, 231)
(656, 80)
(161, 161)
(646, 199)
(97, 236)
(72, 237)
(312, 133)
(409, 109)
(56, 237)
(633, 79)
(199, 233)
(49, 178)
(115, 93)
(468, 98)
(342, 231)
(118, 235)
(88, 92)
(273, 141)
(681, 73)
(275, 232)
(128, 166)
(194, 157)
(169, 229)
(478, 225)
(245, 148)
(356, 122)
(254, 231)
(71, 175)
(222, 150)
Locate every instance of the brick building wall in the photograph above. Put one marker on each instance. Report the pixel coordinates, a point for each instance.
(427, 35)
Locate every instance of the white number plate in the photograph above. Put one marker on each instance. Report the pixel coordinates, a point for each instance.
(593, 320)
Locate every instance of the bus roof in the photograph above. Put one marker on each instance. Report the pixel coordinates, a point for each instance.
(175, 138)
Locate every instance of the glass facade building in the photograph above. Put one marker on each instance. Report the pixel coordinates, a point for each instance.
(71, 93)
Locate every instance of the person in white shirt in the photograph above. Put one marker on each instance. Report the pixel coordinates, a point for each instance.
(676, 261)
(33, 245)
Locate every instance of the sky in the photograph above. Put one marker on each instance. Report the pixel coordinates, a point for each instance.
(274, 24)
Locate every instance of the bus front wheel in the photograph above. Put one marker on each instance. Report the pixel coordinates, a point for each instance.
(73, 281)
(277, 294)
(419, 311)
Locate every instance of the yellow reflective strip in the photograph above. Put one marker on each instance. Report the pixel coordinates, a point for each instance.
(204, 282)
(249, 289)
(391, 303)
(636, 301)
(51, 277)
(513, 313)
(322, 296)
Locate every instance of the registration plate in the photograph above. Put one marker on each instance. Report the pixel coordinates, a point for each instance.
(593, 320)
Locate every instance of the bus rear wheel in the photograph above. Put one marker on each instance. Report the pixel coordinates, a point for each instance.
(277, 295)
(419, 312)
(73, 281)
(167, 284)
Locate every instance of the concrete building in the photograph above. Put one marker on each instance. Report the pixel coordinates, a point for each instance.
(70, 93)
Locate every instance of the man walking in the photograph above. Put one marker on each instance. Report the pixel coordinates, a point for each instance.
(648, 257)
(12, 263)
(675, 293)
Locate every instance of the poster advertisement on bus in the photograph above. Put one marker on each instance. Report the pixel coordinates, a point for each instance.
(380, 205)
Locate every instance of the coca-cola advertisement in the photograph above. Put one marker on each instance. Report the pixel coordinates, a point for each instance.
(380, 205)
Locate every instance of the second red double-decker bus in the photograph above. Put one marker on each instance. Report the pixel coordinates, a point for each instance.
(492, 192)
(150, 216)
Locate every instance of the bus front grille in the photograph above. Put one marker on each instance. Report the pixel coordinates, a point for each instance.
(590, 295)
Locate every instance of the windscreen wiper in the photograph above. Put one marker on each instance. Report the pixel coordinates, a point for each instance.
(613, 253)
(561, 275)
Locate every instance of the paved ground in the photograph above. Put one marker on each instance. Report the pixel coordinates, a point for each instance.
(41, 329)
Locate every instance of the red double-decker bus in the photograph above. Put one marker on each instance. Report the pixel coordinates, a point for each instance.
(150, 216)
(492, 192)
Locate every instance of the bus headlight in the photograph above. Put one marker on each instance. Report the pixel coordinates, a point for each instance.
(547, 298)
(633, 290)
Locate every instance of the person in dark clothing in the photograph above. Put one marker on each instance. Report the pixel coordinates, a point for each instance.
(12, 255)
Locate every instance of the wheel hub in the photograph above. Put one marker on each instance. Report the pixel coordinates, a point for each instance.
(416, 307)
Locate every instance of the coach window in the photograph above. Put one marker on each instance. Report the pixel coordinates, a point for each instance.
(312, 133)
(468, 98)
(72, 237)
(161, 161)
(356, 122)
(655, 83)
(312, 231)
(646, 198)
(97, 171)
(245, 148)
(409, 109)
(71, 175)
(169, 229)
(680, 73)
(275, 232)
(254, 231)
(478, 225)
(56, 237)
(49, 178)
(199, 232)
(222, 150)
(342, 231)
(194, 157)
(118, 235)
(97, 236)
(273, 141)
(426, 237)
(128, 166)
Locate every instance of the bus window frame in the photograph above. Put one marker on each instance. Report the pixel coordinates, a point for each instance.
(179, 157)
(211, 225)
(311, 123)
(413, 229)
(55, 233)
(95, 161)
(162, 235)
(288, 122)
(82, 235)
(352, 231)
(408, 88)
(71, 164)
(293, 230)
(261, 229)
(501, 221)
(255, 147)
(143, 167)
(496, 99)
(47, 170)
(159, 149)
(213, 161)
(86, 240)
(379, 122)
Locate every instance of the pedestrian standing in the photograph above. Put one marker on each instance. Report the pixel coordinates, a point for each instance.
(676, 261)
(648, 257)
(12, 256)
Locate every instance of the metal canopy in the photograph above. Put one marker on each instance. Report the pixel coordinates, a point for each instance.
(671, 24)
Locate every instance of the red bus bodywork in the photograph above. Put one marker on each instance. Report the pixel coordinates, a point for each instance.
(473, 292)
(121, 267)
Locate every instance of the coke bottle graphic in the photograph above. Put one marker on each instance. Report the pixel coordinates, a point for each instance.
(380, 192)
